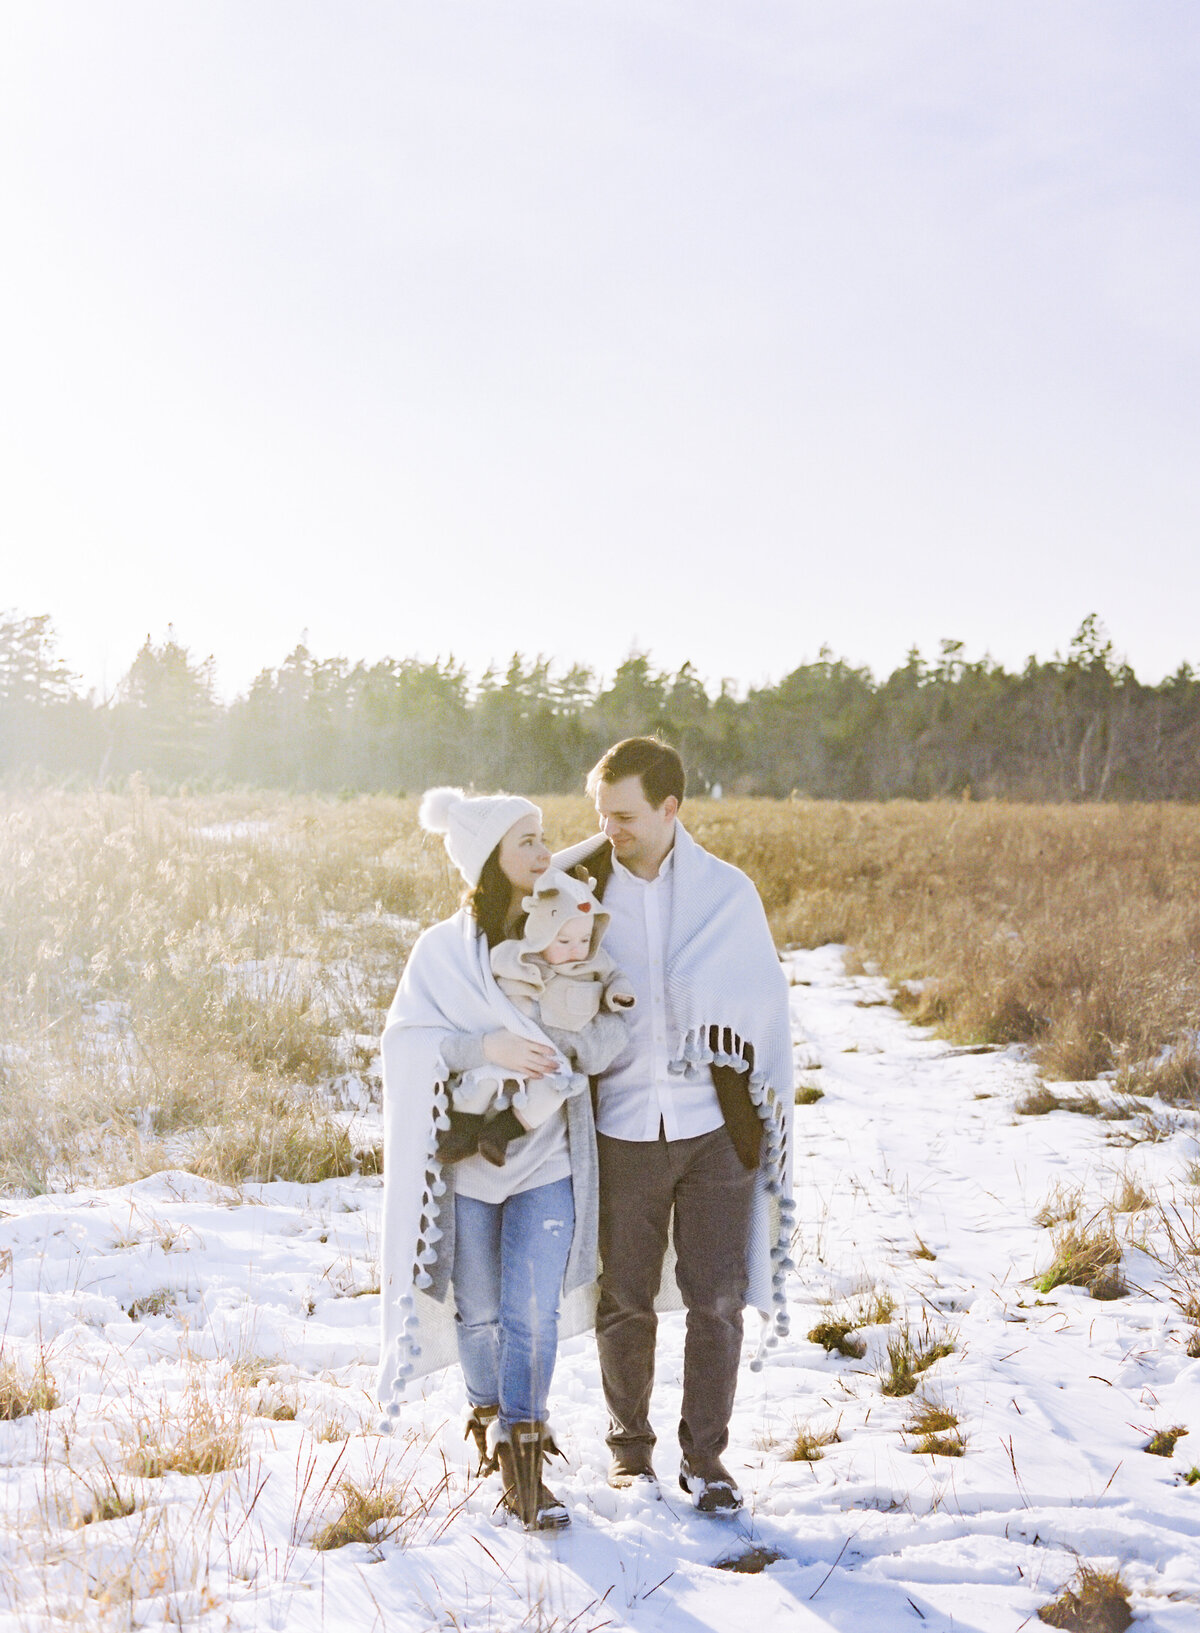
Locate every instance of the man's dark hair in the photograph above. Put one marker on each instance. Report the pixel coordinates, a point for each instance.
(656, 764)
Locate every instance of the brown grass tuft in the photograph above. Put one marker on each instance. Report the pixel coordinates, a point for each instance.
(1085, 1256)
(1060, 1207)
(370, 1513)
(205, 1436)
(808, 1444)
(23, 1392)
(936, 1429)
(1042, 1100)
(105, 1500)
(1131, 1196)
(909, 1355)
(1162, 1442)
(1174, 1077)
(836, 1335)
(290, 1142)
(1098, 1603)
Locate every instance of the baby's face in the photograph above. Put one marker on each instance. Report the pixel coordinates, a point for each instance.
(571, 943)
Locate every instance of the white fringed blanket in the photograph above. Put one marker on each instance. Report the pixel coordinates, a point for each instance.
(447, 987)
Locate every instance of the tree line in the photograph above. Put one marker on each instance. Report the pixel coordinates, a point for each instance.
(1074, 727)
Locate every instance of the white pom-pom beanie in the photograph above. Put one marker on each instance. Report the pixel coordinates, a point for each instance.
(473, 825)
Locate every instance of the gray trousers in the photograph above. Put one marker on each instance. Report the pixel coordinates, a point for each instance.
(703, 1181)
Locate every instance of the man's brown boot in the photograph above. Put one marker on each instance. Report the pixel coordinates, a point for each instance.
(520, 1455)
(631, 1466)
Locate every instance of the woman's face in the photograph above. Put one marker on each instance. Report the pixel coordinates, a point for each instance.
(524, 855)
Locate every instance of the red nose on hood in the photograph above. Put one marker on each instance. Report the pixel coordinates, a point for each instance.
(585, 907)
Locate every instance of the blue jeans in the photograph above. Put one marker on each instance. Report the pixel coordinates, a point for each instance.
(509, 1260)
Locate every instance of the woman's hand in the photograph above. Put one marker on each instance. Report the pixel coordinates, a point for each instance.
(517, 1054)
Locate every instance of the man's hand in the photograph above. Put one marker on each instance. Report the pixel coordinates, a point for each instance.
(517, 1054)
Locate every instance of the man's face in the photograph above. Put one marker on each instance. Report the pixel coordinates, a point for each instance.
(640, 833)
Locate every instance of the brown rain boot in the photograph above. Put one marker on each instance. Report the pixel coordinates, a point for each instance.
(476, 1429)
(525, 1497)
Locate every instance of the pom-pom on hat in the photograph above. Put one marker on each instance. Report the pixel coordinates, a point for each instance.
(473, 825)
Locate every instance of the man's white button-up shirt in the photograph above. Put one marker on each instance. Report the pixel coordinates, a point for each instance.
(638, 1094)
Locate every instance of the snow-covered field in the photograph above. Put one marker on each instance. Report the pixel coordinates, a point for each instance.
(258, 1317)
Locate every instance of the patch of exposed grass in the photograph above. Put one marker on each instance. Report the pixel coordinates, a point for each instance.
(159, 1303)
(1038, 1102)
(807, 1094)
(1085, 1256)
(330, 1428)
(808, 1445)
(1193, 1345)
(909, 1355)
(951, 1445)
(294, 1142)
(1131, 1196)
(873, 1307)
(936, 1430)
(1162, 1442)
(1097, 1603)
(1174, 1077)
(23, 1392)
(1060, 1207)
(928, 1418)
(923, 1250)
(750, 1563)
(1192, 1477)
(370, 1513)
(838, 1335)
(104, 1500)
(206, 1436)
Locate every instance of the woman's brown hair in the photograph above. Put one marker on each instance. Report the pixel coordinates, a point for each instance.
(490, 901)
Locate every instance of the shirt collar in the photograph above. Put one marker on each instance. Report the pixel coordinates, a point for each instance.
(665, 868)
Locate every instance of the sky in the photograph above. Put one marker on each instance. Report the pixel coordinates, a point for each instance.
(723, 330)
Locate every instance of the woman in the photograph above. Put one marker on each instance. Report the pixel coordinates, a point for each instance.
(507, 1239)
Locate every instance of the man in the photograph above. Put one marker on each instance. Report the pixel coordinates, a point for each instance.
(692, 1118)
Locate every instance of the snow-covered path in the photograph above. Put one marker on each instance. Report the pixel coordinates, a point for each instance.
(913, 1148)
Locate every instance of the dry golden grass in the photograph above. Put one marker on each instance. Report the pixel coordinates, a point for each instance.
(1073, 928)
(23, 1390)
(838, 1335)
(1085, 1256)
(1060, 1207)
(370, 1513)
(1162, 1442)
(808, 1445)
(936, 1430)
(104, 1498)
(1098, 1603)
(910, 1354)
(179, 972)
(1131, 1196)
(204, 1435)
(384, 1504)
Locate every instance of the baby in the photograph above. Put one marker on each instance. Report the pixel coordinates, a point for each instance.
(558, 974)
